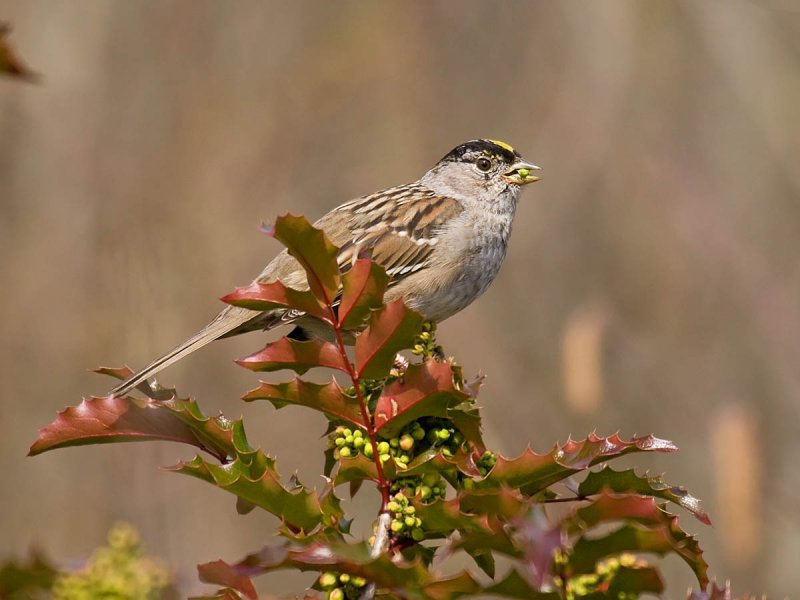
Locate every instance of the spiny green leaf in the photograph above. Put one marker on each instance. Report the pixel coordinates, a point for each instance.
(298, 356)
(424, 390)
(629, 481)
(259, 484)
(315, 253)
(391, 329)
(274, 295)
(326, 397)
(534, 472)
(650, 529)
(363, 287)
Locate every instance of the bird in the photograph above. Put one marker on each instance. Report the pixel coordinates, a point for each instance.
(441, 240)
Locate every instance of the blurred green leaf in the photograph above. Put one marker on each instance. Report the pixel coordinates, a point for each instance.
(515, 585)
(20, 580)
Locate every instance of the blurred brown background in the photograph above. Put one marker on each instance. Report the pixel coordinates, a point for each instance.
(652, 282)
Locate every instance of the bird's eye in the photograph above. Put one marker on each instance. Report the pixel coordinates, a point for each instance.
(484, 164)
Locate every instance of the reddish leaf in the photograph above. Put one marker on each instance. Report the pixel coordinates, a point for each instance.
(391, 329)
(363, 288)
(629, 482)
(10, 63)
(268, 296)
(111, 419)
(425, 389)
(315, 253)
(219, 572)
(328, 398)
(298, 356)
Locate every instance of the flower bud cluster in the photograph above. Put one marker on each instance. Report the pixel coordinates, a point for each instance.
(486, 462)
(425, 344)
(429, 487)
(404, 521)
(342, 586)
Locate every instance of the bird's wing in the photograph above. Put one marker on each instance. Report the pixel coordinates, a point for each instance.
(398, 228)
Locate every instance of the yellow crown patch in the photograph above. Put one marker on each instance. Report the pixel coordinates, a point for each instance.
(503, 145)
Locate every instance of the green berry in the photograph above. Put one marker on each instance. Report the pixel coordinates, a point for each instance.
(396, 526)
(358, 433)
(404, 459)
(345, 452)
(394, 442)
(393, 506)
(384, 457)
(344, 577)
(368, 452)
(383, 448)
(410, 521)
(418, 433)
(431, 479)
(339, 442)
(327, 580)
(417, 534)
(336, 594)
(443, 434)
(358, 582)
(359, 442)
(425, 492)
(347, 432)
(348, 439)
(410, 510)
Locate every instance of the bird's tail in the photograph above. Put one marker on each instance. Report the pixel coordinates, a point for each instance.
(225, 323)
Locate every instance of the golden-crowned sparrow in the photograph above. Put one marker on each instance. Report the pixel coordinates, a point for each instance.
(441, 240)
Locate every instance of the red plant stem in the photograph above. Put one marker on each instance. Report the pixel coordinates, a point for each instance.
(383, 484)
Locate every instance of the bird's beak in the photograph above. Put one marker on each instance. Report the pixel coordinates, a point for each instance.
(520, 173)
